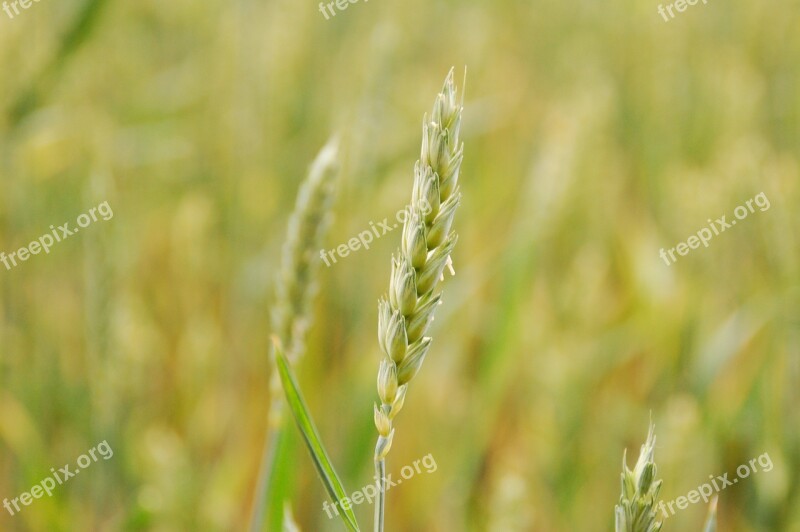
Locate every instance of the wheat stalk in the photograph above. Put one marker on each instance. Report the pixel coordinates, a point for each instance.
(711, 519)
(636, 511)
(404, 317)
(295, 287)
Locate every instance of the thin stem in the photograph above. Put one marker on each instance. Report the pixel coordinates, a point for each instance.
(380, 503)
(265, 478)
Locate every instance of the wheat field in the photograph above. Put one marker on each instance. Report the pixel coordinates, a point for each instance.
(596, 134)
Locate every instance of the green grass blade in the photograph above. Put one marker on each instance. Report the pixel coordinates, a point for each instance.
(76, 35)
(306, 425)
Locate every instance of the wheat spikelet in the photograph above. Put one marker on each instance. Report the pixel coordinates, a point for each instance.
(636, 511)
(404, 317)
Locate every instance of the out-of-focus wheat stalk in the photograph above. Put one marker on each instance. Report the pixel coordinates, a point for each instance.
(636, 511)
(98, 272)
(427, 242)
(295, 287)
(289, 522)
(711, 520)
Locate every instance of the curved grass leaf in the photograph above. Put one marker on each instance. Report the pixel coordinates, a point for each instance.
(306, 425)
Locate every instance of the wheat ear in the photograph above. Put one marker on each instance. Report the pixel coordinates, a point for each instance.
(636, 511)
(294, 289)
(404, 317)
(296, 282)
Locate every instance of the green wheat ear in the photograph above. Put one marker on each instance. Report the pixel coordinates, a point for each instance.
(636, 511)
(294, 289)
(404, 316)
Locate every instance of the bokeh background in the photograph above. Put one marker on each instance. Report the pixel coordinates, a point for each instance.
(595, 133)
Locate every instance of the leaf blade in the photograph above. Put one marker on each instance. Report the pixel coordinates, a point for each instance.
(313, 442)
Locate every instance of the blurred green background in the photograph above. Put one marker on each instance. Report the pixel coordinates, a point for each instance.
(595, 134)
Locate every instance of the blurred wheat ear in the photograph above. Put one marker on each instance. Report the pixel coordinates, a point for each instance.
(294, 289)
(636, 511)
(404, 317)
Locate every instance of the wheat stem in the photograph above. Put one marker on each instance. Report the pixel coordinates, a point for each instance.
(711, 519)
(380, 502)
